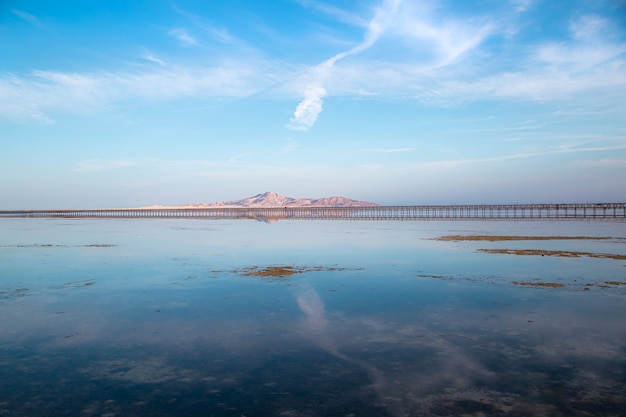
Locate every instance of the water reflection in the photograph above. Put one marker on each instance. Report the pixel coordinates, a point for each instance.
(316, 327)
(161, 318)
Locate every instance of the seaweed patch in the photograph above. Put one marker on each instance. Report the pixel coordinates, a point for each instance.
(79, 284)
(281, 271)
(539, 284)
(560, 253)
(500, 238)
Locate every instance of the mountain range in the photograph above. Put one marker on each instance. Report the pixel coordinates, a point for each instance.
(272, 199)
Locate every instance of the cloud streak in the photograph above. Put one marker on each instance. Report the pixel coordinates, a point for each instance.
(183, 36)
(36, 97)
(99, 165)
(28, 17)
(150, 57)
(311, 106)
(438, 60)
(391, 150)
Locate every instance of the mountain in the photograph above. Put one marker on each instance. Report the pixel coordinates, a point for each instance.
(272, 199)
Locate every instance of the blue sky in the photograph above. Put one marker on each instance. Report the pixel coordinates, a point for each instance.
(130, 103)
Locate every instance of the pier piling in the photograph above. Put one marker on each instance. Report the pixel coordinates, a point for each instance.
(430, 212)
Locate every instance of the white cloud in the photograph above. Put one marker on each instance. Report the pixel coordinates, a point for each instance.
(601, 163)
(236, 158)
(290, 146)
(334, 12)
(577, 57)
(20, 103)
(448, 42)
(174, 168)
(307, 111)
(28, 17)
(183, 36)
(588, 27)
(43, 93)
(391, 150)
(206, 25)
(97, 165)
(434, 68)
(440, 60)
(149, 57)
(526, 155)
(522, 6)
(445, 40)
(311, 106)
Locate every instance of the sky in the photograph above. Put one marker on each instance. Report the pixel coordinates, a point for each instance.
(129, 103)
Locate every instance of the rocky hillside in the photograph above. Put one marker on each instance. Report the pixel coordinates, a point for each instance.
(271, 199)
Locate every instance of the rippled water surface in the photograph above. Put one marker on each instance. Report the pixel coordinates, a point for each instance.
(307, 318)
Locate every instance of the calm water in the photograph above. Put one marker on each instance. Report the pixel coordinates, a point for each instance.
(162, 318)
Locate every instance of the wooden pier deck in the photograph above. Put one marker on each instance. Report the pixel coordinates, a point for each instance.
(431, 212)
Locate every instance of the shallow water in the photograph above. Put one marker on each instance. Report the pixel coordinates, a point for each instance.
(162, 317)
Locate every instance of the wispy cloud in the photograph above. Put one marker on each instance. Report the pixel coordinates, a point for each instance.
(446, 42)
(172, 167)
(20, 102)
(150, 57)
(537, 154)
(235, 159)
(448, 64)
(335, 12)
(391, 150)
(439, 59)
(311, 106)
(290, 146)
(97, 165)
(588, 26)
(439, 41)
(615, 163)
(218, 33)
(28, 17)
(183, 36)
(37, 96)
(522, 6)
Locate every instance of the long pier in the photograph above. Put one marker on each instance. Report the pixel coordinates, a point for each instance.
(431, 212)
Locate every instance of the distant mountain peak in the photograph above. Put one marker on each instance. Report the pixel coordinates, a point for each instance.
(273, 199)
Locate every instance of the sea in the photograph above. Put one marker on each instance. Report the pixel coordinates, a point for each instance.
(193, 317)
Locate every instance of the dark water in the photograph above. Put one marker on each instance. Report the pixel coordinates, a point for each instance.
(188, 318)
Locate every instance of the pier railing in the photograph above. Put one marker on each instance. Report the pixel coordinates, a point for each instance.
(431, 212)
